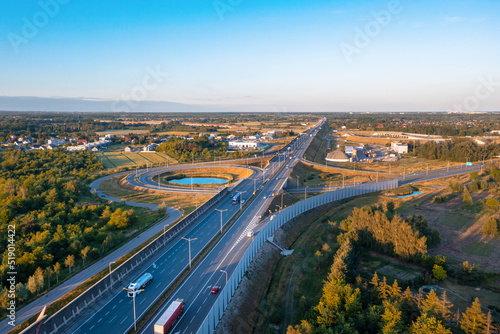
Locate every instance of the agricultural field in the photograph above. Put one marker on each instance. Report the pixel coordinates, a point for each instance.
(123, 132)
(116, 159)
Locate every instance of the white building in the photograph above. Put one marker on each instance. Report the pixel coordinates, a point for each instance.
(56, 142)
(243, 145)
(399, 147)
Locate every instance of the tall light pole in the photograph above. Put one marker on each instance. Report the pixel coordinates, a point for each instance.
(305, 192)
(427, 173)
(241, 196)
(297, 182)
(133, 299)
(221, 211)
(225, 273)
(189, 241)
(110, 280)
(343, 181)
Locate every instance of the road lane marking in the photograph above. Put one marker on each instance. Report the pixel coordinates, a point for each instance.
(107, 313)
(111, 321)
(123, 320)
(91, 327)
(113, 307)
(99, 320)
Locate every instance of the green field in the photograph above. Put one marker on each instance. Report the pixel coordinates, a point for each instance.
(458, 220)
(123, 132)
(479, 248)
(131, 159)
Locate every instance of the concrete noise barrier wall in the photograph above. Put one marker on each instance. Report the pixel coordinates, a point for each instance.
(215, 314)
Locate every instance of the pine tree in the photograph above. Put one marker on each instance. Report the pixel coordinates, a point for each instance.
(419, 298)
(445, 307)
(392, 320)
(374, 280)
(383, 289)
(428, 325)
(473, 319)
(431, 305)
(395, 290)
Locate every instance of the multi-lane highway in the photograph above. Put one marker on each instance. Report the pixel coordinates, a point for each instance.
(226, 254)
(116, 315)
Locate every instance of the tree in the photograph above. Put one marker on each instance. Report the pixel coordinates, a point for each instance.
(39, 280)
(392, 320)
(467, 200)
(32, 286)
(445, 306)
(162, 208)
(431, 304)
(473, 319)
(4, 298)
(491, 227)
(49, 272)
(70, 262)
(428, 325)
(438, 272)
(57, 270)
(22, 291)
(85, 253)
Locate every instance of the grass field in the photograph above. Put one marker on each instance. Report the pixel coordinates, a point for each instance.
(479, 248)
(118, 159)
(123, 132)
(457, 220)
(188, 202)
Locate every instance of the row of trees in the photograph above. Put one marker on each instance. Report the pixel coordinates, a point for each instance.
(457, 149)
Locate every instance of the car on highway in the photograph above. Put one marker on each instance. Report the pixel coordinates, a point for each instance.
(250, 234)
(215, 289)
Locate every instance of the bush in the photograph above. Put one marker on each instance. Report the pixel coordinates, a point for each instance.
(439, 273)
(492, 227)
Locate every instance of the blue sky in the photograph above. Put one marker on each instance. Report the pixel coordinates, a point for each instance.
(254, 55)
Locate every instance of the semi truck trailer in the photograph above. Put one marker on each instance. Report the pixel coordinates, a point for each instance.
(168, 318)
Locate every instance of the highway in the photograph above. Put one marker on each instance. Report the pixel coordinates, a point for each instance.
(116, 315)
(225, 255)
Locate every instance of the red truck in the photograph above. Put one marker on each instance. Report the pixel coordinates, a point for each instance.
(168, 318)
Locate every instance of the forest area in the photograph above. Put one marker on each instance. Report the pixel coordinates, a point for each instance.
(58, 224)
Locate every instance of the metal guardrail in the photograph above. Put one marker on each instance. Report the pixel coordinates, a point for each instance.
(215, 314)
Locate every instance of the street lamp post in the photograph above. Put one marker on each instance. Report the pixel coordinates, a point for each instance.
(110, 279)
(241, 196)
(133, 299)
(189, 241)
(297, 182)
(221, 211)
(225, 273)
(305, 192)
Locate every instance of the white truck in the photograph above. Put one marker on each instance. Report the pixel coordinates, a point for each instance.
(135, 288)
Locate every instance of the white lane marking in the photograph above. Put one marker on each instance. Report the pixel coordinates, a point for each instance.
(107, 313)
(113, 307)
(123, 320)
(162, 270)
(111, 321)
(99, 320)
(91, 327)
